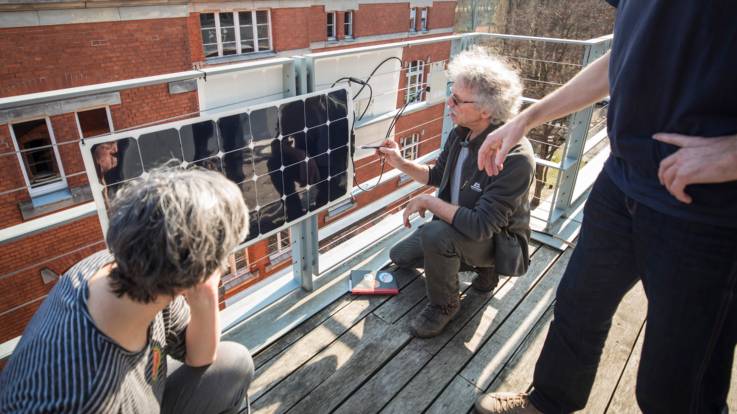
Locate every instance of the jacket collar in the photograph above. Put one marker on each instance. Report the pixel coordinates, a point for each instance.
(475, 143)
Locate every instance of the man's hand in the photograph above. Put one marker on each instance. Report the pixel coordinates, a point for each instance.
(201, 297)
(203, 331)
(415, 205)
(497, 144)
(697, 161)
(390, 149)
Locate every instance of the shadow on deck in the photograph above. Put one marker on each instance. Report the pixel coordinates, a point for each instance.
(356, 355)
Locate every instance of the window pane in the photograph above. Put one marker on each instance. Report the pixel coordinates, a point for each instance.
(262, 17)
(244, 18)
(247, 47)
(211, 50)
(207, 20)
(263, 44)
(209, 36)
(229, 48)
(34, 142)
(330, 18)
(226, 19)
(93, 122)
(227, 34)
(263, 32)
(246, 33)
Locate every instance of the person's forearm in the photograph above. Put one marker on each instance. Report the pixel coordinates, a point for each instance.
(203, 333)
(441, 209)
(418, 172)
(589, 86)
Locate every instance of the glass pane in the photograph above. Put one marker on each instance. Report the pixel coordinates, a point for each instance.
(160, 147)
(229, 49)
(244, 18)
(263, 44)
(40, 164)
(93, 122)
(270, 187)
(246, 33)
(316, 110)
(263, 32)
(211, 50)
(235, 132)
(318, 140)
(337, 104)
(209, 36)
(293, 148)
(226, 19)
(207, 20)
(116, 161)
(247, 47)
(227, 34)
(262, 16)
(238, 165)
(199, 140)
(292, 117)
(271, 217)
(331, 19)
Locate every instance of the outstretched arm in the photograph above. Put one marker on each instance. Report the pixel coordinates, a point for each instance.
(203, 331)
(587, 87)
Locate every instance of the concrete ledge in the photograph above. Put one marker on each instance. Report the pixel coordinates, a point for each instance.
(80, 14)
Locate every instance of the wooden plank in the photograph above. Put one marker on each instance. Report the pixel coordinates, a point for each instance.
(352, 345)
(457, 397)
(419, 393)
(489, 361)
(623, 399)
(303, 329)
(626, 326)
(399, 305)
(371, 354)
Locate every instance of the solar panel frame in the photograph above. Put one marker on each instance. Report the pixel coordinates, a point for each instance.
(309, 190)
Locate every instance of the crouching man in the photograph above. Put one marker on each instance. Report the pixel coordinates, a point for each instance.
(100, 340)
(479, 222)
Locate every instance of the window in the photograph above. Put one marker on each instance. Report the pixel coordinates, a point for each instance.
(412, 19)
(415, 86)
(348, 25)
(94, 122)
(410, 146)
(38, 156)
(423, 19)
(279, 246)
(235, 33)
(331, 26)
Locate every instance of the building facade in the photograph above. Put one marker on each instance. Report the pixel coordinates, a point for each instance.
(48, 221)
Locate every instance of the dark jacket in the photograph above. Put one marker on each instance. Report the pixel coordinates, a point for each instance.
(495, 207)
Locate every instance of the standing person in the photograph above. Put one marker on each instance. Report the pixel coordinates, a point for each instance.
(663, 211)
(480, 221)
(100, 340)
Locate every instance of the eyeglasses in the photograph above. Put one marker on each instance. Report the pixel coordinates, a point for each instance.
(457, 101)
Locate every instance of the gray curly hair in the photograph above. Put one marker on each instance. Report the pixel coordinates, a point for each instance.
(171, 229)
(497, 87)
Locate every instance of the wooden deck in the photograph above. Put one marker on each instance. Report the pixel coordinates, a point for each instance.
(356, 355)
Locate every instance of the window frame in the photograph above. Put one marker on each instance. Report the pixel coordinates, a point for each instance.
(42, 189)
(237, 29)
(410, 150)
(424, 12)
(331, 26)
(283, 247)
(415, 68)
(109, 120)
(413, 19)
(348, 24)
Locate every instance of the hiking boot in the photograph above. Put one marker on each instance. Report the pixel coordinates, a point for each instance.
(486, 279)
(505, 403)
(433, 319)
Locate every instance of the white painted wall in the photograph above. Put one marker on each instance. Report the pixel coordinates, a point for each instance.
(242, 88)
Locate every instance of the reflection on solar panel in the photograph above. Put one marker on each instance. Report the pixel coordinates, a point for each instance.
(290, 158)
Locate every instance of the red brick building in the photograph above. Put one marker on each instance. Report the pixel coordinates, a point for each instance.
(47, 218)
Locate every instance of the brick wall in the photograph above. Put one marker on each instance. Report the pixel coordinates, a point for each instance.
(441, 15)
(23, 259)
(44, 58)
(377, 19)
(291, 27)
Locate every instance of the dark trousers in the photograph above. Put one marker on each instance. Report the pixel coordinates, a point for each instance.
(216, 388)
(441, 250)
(689, 272)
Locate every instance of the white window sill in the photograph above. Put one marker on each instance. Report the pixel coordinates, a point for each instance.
(240, 58)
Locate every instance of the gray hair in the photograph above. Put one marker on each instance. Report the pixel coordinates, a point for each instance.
(171, 229)
(496, 86)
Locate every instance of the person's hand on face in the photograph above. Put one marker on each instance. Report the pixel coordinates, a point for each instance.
(106, 156)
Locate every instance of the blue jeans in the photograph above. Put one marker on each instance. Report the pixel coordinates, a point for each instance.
(689, 273)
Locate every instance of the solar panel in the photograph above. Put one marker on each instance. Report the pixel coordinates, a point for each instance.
(290, 158)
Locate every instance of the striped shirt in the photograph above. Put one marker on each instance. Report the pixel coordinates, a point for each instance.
(63, 363)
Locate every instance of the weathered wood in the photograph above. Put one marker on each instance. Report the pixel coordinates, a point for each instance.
(623, 399)
(457, 397)
(623, 335)
(303, 329)
(306, 347)
(309, 376)
(367, 358)
(419, 393)
(399, 305)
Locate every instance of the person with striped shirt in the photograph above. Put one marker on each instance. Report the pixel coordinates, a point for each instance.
(99, 342)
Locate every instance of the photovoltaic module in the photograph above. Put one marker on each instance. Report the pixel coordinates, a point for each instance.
(290, 158)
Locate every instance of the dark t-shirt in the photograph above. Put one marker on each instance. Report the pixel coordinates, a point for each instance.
(673, 68)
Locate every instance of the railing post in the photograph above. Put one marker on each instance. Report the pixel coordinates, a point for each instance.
(305, 254)
(578, 126)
